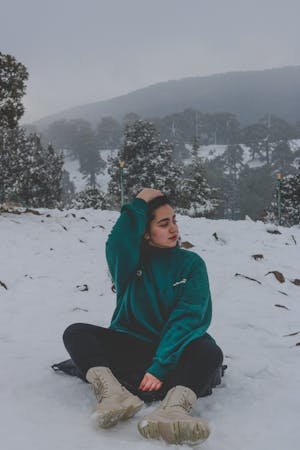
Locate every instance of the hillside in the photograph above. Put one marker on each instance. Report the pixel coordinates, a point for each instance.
(250, 95)
(45, 260)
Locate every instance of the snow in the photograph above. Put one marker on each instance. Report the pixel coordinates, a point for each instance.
(256, 406)
(207, 152)
(72, 166)
(294, 144)
(212, 151)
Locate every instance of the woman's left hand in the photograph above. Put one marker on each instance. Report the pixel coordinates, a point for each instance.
(150, 383)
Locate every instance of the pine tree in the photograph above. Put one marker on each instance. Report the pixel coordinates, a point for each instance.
(39, 183)
(54, 163)
(91, 165)
(89, 198)
(109, 132)
(289, 199)
(197, 198)
(13, 143)
(232, 160)
(255, 186)
(31, 175)
(67, 189)
(13, 76)
(84, 146)
(4, 169)
(282, 157)
(148, 163)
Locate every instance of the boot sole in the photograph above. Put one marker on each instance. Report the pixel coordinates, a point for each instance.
(174, 432)
(110, 418)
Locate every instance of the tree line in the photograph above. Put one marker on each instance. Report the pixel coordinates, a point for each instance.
(244, 188)
(154, 153)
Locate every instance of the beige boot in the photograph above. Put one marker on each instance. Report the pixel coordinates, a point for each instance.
(172, 421)
(115, 402)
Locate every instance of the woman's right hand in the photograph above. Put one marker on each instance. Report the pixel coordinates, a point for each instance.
(148, 194)
(150, 383)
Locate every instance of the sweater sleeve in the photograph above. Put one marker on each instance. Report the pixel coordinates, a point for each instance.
(124, 241)
(189, 319)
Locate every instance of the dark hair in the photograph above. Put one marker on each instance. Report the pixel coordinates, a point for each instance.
(154, 204)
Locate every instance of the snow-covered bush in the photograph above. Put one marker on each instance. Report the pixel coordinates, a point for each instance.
(89, 198)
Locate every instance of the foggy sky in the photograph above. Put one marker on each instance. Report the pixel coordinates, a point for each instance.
(84, 51)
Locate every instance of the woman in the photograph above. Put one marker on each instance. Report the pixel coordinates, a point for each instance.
(157, 338)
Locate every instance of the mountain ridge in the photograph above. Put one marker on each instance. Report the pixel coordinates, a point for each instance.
(248, 94)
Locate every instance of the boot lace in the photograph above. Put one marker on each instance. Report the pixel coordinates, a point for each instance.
(100, 386)
(182, 403)
(185, 405)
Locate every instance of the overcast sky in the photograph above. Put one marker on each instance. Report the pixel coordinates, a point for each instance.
(82, 51)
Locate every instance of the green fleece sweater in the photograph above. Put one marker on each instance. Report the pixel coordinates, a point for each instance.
(162, 297)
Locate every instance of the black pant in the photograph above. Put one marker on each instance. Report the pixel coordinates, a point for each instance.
(129, 357)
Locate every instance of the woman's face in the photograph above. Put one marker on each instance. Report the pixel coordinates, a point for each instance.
(163, 231)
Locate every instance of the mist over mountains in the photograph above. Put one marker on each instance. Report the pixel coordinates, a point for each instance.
(250, 95)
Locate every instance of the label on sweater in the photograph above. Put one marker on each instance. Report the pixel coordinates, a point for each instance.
(184, 280)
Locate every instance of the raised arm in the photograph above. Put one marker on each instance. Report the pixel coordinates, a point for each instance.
(189, 319)
(124, 242)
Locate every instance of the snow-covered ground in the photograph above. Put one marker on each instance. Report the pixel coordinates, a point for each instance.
(44, 259)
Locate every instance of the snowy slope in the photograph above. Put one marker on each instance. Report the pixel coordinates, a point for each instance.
(72, 166)
(257, 405)
(212, 151)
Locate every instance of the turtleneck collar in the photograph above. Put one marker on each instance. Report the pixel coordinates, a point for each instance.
(151, 250)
